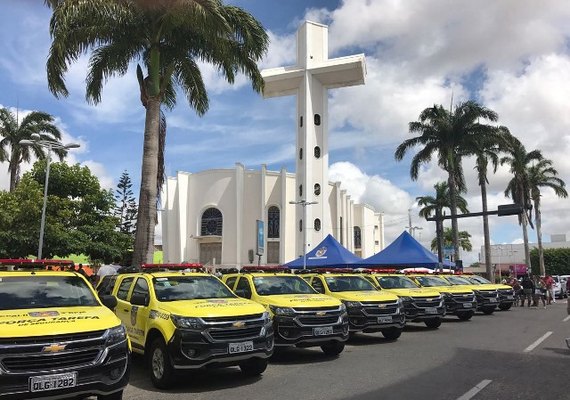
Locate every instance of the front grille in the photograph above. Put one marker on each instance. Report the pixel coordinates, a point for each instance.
(52, 338)
(488, 293)
(381, 311)
(314, 320)
(460, 298)
(232, 318)
(506, 292)
(235, 334)
(315, 310)
(424, 302)
(47, 362)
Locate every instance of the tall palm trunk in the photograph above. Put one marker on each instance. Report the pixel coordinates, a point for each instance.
(525, 239)
(538, 223)
(487, 239)
(13, 167)
(144, 238)
(453, 203)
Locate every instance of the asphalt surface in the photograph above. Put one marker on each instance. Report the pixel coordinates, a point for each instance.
(490, 357)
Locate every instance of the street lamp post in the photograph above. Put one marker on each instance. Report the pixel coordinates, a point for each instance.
(304, 203)
(49, 145)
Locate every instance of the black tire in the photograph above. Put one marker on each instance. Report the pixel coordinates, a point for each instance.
(333, 349)
(113, 396)
(392, 333)
(465, 316)
(505, 307)
(160, 368)
(433, 323)
(488, 311)
(253, 367)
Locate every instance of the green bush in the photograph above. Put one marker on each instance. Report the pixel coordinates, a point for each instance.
(556, 261)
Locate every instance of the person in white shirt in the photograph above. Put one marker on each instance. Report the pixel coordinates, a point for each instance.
(105, 270)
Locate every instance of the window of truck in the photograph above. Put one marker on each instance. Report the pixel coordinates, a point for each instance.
(44, 291)
(270, 285)
(396, 282)
(348, 284)
(173, 288)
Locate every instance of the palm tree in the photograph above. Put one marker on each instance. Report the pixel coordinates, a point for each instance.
(436, 206)
(447, 134)
(487, 152)
(542, 174)
(518, 188)
(14, 132)
(464, 241)
(167, 38)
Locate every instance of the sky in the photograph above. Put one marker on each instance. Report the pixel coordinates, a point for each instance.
(513, 56)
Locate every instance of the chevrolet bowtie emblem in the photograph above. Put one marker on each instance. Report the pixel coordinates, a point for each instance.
(382, 305)
(54, 348)
(321, 313)
(238, 324)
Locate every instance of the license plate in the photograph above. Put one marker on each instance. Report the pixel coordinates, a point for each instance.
(431, 310)
(53, 382)
(323, 330)
(240, 347)
(385, 320)
(511, 297)
(492, 300)
(467, 305)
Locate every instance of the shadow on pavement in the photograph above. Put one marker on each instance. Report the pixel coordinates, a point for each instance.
(295, 355)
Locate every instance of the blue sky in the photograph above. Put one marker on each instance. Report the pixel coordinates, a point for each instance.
(510, 55)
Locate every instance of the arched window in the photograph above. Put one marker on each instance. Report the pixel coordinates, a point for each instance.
(211, 222)
(317, 152)
(300, 153)
(357, 237)
(317, 189)
(300, 225)
(317, 119)
(300, 190)
(317, 224)
(273, 222)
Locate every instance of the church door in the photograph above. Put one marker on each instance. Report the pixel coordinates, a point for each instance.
(209, 252)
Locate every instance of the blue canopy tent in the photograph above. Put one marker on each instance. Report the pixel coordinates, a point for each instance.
(403, 252)
(327, 254)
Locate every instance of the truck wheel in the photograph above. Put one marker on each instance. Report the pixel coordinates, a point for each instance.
(488, 311)
(433, 323)
(392, 333)
(114, 396)
(505, 307)
(333, 349)
(161, 371)
(465, 316)
(253, 367)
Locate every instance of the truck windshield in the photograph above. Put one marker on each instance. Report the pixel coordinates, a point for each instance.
(269, 285)
(348, 284)
(24, 292)
(430, 281)
(457, 280)
(478, 279)
(396, 282)
(172, 288)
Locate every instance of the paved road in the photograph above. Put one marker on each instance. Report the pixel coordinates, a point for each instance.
(498, 354)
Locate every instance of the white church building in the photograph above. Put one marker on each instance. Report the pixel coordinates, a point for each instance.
(236, 217)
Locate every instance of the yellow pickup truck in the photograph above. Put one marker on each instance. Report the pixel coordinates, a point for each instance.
(369, 310)
(302, 317)
(459, 300)
(506, 292)
(183, 320)
(487, 296)
(58, 340)
(420, 304)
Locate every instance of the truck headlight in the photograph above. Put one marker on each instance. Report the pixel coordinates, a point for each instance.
(342, 307)
(352, 304)
(116, 335)
(266, 317)
(287, 311)
(187, 322)
(405, 298)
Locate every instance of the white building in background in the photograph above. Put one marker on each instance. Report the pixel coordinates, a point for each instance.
(210, 217)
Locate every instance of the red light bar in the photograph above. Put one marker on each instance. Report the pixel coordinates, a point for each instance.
(381, 270)
(265, 268)
(32, 263)
(173, 266)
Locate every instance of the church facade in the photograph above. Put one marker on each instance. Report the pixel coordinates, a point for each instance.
(211, 217)
(236, 216)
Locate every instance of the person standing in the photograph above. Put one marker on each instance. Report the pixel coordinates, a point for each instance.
(105, 270)
(528, 290)
(549, 281)
(539, 291)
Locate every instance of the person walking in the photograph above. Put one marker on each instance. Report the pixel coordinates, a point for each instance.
(518, 291)
(528, 290)
(539, 291)
(549, 281)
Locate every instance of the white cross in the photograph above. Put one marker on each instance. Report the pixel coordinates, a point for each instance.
(310, 79)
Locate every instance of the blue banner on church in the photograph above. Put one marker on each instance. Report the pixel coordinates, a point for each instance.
(260, 238)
